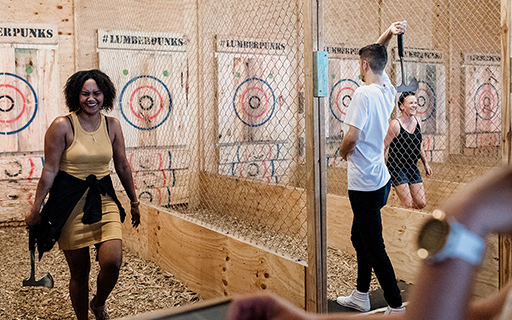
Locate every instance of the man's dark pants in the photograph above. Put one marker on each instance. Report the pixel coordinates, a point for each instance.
(369, 244)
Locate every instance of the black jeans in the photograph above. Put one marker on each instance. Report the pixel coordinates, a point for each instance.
(369, 244)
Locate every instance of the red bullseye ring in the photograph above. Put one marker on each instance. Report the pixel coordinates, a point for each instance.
(487, 107)
(338, 97)
(24, 103)
(266, 102)
(137, 114)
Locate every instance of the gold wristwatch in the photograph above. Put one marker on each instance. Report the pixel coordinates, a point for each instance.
(441, 238)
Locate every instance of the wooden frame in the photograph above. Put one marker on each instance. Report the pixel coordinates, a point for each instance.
(505, 242)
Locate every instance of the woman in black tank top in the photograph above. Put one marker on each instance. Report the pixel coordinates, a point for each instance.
(404, 144)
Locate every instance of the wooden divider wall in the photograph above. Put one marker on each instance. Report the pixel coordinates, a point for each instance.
(210, 262)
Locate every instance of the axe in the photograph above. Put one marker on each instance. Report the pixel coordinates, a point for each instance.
(413, 85)
(47, 280)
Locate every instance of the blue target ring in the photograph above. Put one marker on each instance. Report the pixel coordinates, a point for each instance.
(35, 104)
(254, 102)
(426, 97)
(487, 101)
(334, 100)
(166, 116)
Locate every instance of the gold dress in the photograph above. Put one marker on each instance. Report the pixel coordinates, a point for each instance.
(90, 153)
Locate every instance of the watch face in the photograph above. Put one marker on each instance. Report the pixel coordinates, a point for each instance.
(433, 235)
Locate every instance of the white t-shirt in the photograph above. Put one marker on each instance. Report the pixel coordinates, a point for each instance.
(369, 111)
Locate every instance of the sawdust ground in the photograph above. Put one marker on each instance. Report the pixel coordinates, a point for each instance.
(142, 287)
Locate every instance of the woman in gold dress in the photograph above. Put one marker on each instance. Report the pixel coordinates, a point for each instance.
(78, 149)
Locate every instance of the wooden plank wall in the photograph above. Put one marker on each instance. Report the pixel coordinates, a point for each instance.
(211, 263)
(45, 69)
(280, 208)
(400, 225)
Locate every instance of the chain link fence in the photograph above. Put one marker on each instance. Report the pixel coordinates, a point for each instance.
(453, 49)
(211, 100)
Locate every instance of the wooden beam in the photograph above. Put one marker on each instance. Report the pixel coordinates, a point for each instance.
(505, 242)
(316, 275)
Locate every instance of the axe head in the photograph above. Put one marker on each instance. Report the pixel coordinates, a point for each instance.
(413, 86)
(46, 281)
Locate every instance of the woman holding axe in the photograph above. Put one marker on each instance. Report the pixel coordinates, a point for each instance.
(82, 209)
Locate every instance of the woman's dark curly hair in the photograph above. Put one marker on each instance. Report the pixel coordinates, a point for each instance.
(74, 85)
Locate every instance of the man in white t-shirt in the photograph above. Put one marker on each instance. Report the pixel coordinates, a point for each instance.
(368, 177)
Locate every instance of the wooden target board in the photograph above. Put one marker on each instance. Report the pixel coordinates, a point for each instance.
(151, 102)
(256, 117)
(483, 100)
(149, 71)
(18, 179)
(343, 81)
(265, 161)
(28, 83)
(255, 98)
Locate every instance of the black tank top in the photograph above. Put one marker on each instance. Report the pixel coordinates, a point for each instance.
(406, 147)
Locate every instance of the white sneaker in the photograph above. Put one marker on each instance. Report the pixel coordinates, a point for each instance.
(398, 310)
(356, 300)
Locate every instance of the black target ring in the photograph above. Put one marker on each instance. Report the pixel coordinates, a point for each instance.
(142, 104)
(257, 104)
(8, 98)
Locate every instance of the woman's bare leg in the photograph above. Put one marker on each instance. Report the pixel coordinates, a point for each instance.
(79, 263)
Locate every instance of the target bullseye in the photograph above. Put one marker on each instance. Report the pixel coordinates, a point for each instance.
(15, 104)
(426, 100)
(254, 102)
(149, 101)
(24, 106)
(341, 96)
(143, 99)
(8, 105)
(486, 101)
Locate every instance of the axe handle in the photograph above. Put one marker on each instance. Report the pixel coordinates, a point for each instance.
(32, 249)
(400, 39)
(31, 240)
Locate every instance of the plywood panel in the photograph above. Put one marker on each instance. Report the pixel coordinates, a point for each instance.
(343, 81)
(211, 263)
(16, 199)
(401, 227)
(277, 206)
(256, 98)
(267, 161)
(483, 104)
(152, 100)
